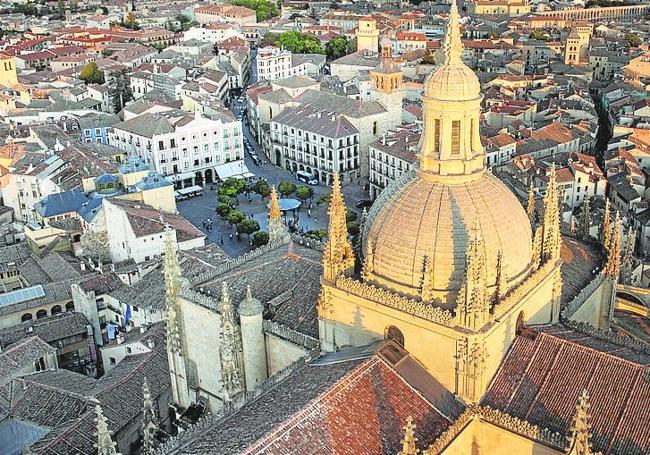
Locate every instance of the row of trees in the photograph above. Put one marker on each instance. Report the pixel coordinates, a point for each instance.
(304, 43)
(228, 200)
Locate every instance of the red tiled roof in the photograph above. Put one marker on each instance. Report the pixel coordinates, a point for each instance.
(364, 412)
(547, 368)
(411, 36)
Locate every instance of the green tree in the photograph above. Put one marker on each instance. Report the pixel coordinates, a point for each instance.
(286, 188)
(353, 229)
(304, 192)
(268, 39)
(235, 217)
(632, 40)
(539, 35)
(324, 199)
(90, 74)
(130, 21)
(260, 238)
(264, 9)
(159, 47)
(120, 90)
(262, 188)
(232, 188)
(350, 215)
(337, 48)
(248, 227)
(299, 43)
(223, 209)
(318, 234)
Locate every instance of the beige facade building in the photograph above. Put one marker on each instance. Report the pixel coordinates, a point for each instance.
(367, 35)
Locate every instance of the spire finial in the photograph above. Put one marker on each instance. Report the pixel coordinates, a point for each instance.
(274, 205)
(530, 208)
(580, 432)
(338, 255)
(105, 444)
(230, 347)
(551, 239)
(409, 441)
(607, 228)
(277, 229)
(249, 293)
(172, 273)
(149, 421)
(453, 45)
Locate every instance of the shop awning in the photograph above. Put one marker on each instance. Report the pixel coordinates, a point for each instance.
(235, 169)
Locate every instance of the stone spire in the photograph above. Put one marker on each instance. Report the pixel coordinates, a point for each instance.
(613, 266)
(530, 208)
(172, 272)
(105, 444)
(474, 307)
(580, 432)
(585, 219)
(551, 239)
(338, 256)
(606, 230)
(229, 347)
(453, 45)
(277, 229)
(409, 441)
(368, 260)
(537, 247)
(627, 256)
(149, 420)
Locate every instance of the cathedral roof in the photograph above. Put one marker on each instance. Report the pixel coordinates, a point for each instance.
(348, 402)
(548, 367)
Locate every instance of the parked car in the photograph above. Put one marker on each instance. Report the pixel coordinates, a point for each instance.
(306, 177)
(256, 159)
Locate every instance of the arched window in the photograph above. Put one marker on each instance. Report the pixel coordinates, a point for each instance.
(393, 333)
(374, 128)
(69, 306)
(56, 309)
(40, 314)
(26, 317)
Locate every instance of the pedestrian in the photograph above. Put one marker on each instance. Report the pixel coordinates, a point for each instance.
(309, 212)
(231, 236)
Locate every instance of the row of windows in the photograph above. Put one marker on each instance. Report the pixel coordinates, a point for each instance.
(162, 144)
(195, 150)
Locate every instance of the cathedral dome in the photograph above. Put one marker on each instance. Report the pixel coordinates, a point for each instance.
(424, 218)
(452, 82)
(418, 234)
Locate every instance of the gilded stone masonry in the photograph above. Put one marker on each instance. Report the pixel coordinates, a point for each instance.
(324, 303)
(500, 419)
(471, 367)
(410, 306)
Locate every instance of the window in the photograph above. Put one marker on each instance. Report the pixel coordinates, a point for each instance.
(112, 360)
(455, 136)
(436, 136)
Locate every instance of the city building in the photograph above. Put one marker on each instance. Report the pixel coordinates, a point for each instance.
(187, 148)
(367, 35)
(273, 63)
(392, 156)
(319, 142)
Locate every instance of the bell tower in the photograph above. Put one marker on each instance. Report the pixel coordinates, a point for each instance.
(367, 35)
(386, 84)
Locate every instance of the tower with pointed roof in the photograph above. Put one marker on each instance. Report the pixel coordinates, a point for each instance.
(176, 352)
(253, 341)
(338, 256)
(277, 230)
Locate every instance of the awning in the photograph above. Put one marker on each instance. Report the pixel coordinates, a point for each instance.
(235, 169)
(180, 177)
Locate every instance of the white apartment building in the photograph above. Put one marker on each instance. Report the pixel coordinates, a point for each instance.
(274, 63)
(319, 142)
(185, 147)
(213, 32)
(391, 156)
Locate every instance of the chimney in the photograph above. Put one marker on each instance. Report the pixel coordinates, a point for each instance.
(83, 265)
(143, 329)
(119, 338)
(150, 343)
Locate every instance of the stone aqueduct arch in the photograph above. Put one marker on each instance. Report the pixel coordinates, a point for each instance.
(612, 13)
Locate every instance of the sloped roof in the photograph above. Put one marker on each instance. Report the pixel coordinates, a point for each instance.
(546, 370)
(343, 403)
(60, 203)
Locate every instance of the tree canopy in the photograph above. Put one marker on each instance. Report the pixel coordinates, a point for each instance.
(120, 90)
(262, 188)
(304, 192)
(260, 238)
(248, 227)
(338, 47)
(91, 74)
(299, 43)
(286, 188)
(130, 21)
(632, 40)
(235, 217)
(264, 9)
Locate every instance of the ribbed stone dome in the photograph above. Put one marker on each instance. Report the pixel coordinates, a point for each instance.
(423, 217)
(452, 82)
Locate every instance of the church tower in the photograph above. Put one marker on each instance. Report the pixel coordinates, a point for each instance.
(338, 256)
(367, 35)
(386, 84)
